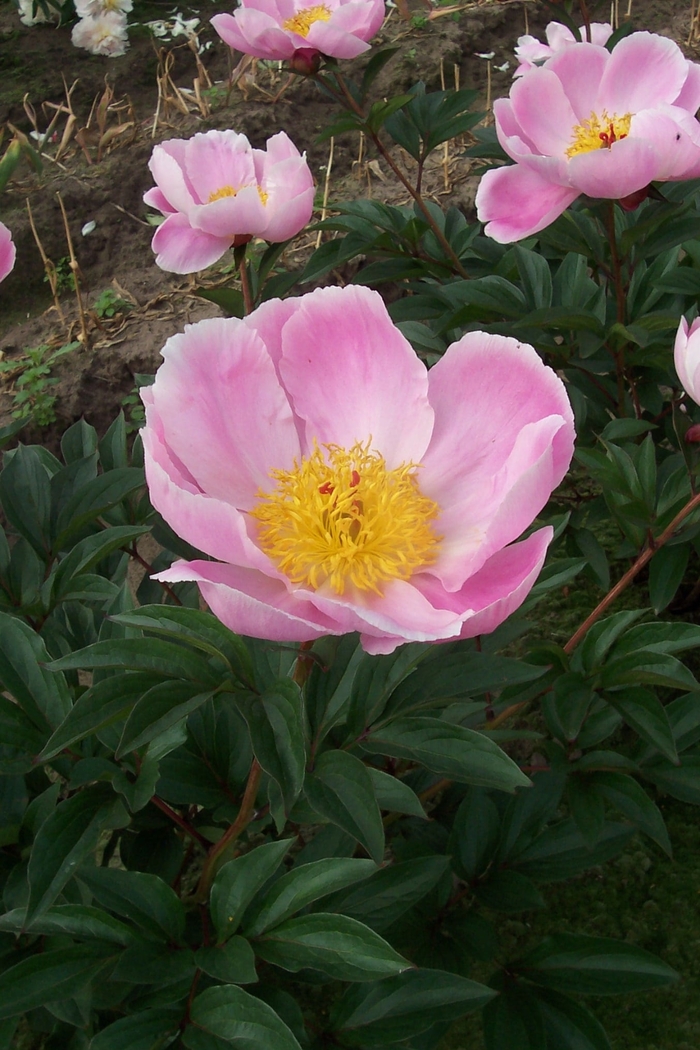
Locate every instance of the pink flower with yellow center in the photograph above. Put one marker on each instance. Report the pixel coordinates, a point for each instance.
(7, 252)
(216, 190)
(605, 124)
(530, 51)
(339, 485)
(276, 29)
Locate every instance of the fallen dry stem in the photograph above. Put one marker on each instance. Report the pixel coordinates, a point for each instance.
(49, 267)
(326, 189)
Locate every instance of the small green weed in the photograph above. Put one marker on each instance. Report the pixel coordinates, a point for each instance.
(31, 393)
(65, 279)
(109, 304)
(132, 404)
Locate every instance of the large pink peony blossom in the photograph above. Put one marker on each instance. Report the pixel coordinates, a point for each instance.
(7, 252)
(342, 487)
(530, 51)
(594, 122)
(276, 29)
(215, 190)
(686, 356)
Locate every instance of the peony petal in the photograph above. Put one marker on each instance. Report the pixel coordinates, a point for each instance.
(250, 603)
(212, 526)
(644, 69)
(227, 439)
(215, 160)
(167, 168)
(181, 249)
(516, 202)
(255, 33)
(686, 356)
(689, 98)
(503, 439)
(627, 166)
(332, 41)
(232, 216)
(7, 251)
(352, 375)
(498, 589)
(543, 111)
(155, 198)
(675, 136)
(579, 69)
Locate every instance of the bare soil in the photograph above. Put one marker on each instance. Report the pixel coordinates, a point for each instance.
(40, 63)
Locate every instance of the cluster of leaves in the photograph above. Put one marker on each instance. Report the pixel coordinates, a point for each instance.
(389, 830)
(32, 380)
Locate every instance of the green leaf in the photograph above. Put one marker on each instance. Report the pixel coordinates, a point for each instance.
(230, 300)
(681, 781)
(397, 1008)
(570, 699)
(145, 1030)
(594, 966)
(340, 789)
(337, 945)
(641, 709)
(276, 723)
(49, 976)
(303, 885)
(448, 750)
(143, 898)
(102, 704)
(158, 710)
(388, 894)
(198, 629)
(569, 1025)
(93, 499)
(76, 920)
(630, 798)
(587, 807)
(238, 882)
(232, 962)
(88, 552)
(42, 696)
(141, 654)
(646, 667)
(232, 1017)
(25, 493)
(395, 796)
(514, 1021)
(65, 838)
(475, 834)
(560, 851)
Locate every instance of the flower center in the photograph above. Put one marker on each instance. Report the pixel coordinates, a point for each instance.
(302, 21)
(228, 191)
(599, 132)
(343, 517)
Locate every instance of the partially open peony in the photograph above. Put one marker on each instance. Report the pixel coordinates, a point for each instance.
(594, 122)
(686, 355)
(531, 52)
(342, 487)
(7, 251)
(215, 190)
(276, 29)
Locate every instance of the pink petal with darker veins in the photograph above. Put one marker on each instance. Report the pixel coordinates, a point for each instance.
(516, 202)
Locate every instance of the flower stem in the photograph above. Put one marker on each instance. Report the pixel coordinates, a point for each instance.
(245, 815)
(248, 304)
(624, 582)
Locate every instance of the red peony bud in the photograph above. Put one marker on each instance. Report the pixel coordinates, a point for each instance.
(306, 62)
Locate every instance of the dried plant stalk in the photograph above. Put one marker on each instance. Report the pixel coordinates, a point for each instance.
(49, 267)
(75, 270)
(326, 189)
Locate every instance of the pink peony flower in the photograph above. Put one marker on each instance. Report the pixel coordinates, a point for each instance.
(215, 190)
(276, 29)
(594, 122)
(686, 356)
(530, 51)
(102, 34)
(355, 491)
(7, 252)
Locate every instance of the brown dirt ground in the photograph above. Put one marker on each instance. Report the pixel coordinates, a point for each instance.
(108, 190)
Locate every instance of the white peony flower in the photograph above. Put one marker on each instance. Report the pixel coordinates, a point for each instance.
(29, 17)
(103, 34)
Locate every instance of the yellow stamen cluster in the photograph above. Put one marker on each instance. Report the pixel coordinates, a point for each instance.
(302, 21)
(342, 516)
(599, 132)
(228, 191)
